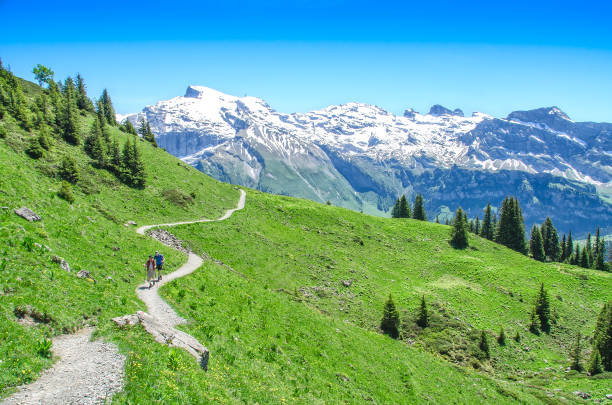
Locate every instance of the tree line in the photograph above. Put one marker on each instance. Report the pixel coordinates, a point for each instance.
(58, 111)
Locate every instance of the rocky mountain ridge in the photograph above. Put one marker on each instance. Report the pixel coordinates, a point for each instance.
(362, 157)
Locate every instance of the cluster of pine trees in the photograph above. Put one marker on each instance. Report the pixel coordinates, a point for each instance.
(390, 323)
(56, 112)
(544, 245)
(401, 209)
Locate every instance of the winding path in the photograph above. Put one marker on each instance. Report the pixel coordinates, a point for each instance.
(91, 372)
(161, 318)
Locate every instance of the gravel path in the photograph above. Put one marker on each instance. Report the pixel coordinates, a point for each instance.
(86, 373)
(91, 372)
(156, 306)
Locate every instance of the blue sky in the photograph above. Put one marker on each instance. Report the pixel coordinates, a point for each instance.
(304, 55)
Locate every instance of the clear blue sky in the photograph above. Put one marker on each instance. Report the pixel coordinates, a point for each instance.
(303, 55)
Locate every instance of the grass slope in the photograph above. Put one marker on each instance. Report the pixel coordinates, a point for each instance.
(303, 251)
(89, 234)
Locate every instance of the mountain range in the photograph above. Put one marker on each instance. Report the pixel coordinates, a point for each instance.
(362, 157)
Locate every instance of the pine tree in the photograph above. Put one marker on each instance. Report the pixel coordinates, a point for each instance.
(100, 113)
(423, 316)
(34, 149)
(477, 226)
(69, 119)
(150, 137)
(115, 158)
(542, 309)
(471, 226)
(563, 249)
(576, 355)
(129, 128)
(487, 225)
(418, 210)
(459, 234)
(395, 210)
(603, 336)
(596, 245)
(569, 246)
(510, 229)
(127, 162)
(589, 250)
(65, 192)
(390, 321)
(437, 219)
(536, 247)
(404, 209)
(107, 108)
(575, 259)
(595, 364)
(534, 326)
(501, 339)
(83, 102)
(517, 337)
(484, 345)
(600, 264)
(585, 258)
(137, 168)
(68, 170)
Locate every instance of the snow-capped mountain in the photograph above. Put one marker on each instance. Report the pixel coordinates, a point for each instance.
(363, 157)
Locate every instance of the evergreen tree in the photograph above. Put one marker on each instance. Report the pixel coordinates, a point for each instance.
(65, 192)
(395, 210)
(459, 234)
(137, 168)
(404, 208)
(471, 226)
(596, 245)
(603, 336)
(510, 230)
(34, 149)
(477, 226)
(576, 355)
(129, 128)
(517, 337)
(115, 158)
(494, 226)
(484, 345)
(446, 222)
(418, 210)
(69, 119)
(536, 247)
(83, 102)
(595, 364)
(150, 137)
(127, 163)
(423, 316)
(575, 259)
(68, 170)
(390, 321)
(487, 224)
(542, 309)
(584, 258)
(100, 113)
(501, 339)
(93, 140)
(589, 250)
(437, 219)
(569, 246)
(600, 264)
(563, 249)
(107, 108)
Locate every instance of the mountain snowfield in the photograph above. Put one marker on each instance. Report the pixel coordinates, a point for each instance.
(362, 157)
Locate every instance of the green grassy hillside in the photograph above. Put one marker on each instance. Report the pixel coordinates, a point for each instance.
(304, 251)
(286, 330)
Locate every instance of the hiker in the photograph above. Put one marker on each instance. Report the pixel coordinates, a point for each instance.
(159, 263)
(150, 266)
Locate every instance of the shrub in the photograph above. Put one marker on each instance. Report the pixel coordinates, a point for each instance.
(3, 133)
(35, 150)
(68, 170)
(177, 197)
(483, 345)
(501, 339)
(65, 192)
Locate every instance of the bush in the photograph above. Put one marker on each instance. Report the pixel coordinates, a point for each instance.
(65, 192)
(68, 170)
(483, 345)
(501, 339)
(177, 197)
(35, 150)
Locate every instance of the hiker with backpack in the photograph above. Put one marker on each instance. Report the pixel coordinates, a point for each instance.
(159, 263)
(150, 267)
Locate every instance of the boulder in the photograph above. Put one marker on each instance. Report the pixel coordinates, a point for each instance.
(133, 223)
(85, 274)
(347, 283)
(166, 335)
(582, 395)
(62, 263)
(28, 214)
